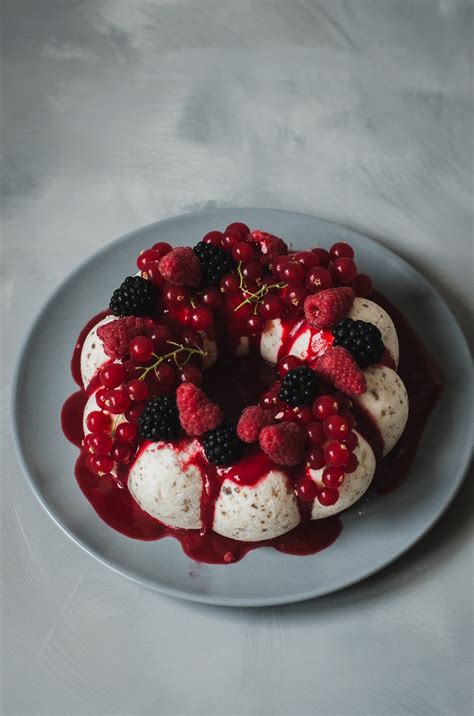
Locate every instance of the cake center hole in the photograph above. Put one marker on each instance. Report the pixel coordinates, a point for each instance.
(234, 383)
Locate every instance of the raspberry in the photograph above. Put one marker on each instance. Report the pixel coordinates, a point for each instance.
(181, 266)
(326, 308)
(197, 414)
(284, 443)
(338, 366)
(252, 420)
(116, 335)
(270, 246)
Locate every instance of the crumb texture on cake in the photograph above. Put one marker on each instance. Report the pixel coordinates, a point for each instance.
(265, 510)
(167, 485)
(386, 402)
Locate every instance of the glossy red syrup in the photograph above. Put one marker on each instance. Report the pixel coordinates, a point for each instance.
(115, 505)
(71, 425)
(424, 383)
(234, 384)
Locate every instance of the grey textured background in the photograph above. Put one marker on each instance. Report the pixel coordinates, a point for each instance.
(119, 112)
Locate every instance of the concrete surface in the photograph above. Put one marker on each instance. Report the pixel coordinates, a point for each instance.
(117, 113)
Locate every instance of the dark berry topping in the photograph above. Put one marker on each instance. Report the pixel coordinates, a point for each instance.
(362, 339)
(299, 386)
(215, 262)
(222, 446)
(160, 419)
(135, 297)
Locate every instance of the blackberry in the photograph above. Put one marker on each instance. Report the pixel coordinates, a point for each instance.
(299, 386)
(160, 419)
(215, 263)
(222, 446)
(363, 340)
(135, 297)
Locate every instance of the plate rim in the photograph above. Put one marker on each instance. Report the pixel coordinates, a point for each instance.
(463, 460)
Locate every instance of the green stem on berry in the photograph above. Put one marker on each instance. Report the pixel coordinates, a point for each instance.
(255, 298)
(115, 422)
(173, 355)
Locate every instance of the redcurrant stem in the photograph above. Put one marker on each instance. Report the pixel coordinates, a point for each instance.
(173, 354)
(115, 423)
(257, 297)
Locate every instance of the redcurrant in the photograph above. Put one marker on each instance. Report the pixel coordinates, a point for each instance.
(318, 279)
(141, 349)
(126, 432)
(286, 364)
(306, 490)
(137, 390)
(323, 256)
(98, 443)
(162, 247)
(335, 427)
(341, 250)
(147, 257)
(292, 273)
(328, 497)
(242, 252)
(201, 318)
(307, 258)
(190, 374)
(255, 325)
(315, 459)
(315, 433)
(351, 441)
(352, 464)
(333, 477)
(112, 375)
(295, 296)
(238, 226)
(121, 453)
(211, 298)
(344, 269)
(98, 422)
(336, 453)
(271, 307)
(324, 407)
(230, 283)
(214, 238)
(117, 401)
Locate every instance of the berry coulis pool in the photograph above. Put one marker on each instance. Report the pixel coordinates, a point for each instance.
(235, 383)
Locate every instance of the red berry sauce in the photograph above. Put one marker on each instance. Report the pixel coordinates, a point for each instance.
(235, 383)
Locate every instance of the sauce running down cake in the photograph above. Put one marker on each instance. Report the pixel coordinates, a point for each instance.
(239, 394)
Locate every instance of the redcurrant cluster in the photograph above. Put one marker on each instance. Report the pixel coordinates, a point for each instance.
(268, 283)
(308, 272)
(275, 288)
(332, 442)
(149, 259)
(328, 423)
(122, 400)
(196, 310)
(113, 427)
(251, 290)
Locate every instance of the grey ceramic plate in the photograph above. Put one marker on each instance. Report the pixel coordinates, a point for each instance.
(376, 531)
